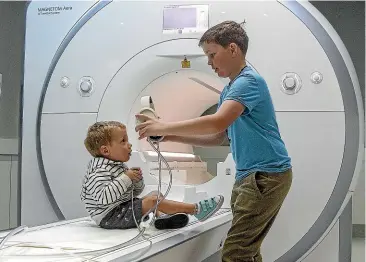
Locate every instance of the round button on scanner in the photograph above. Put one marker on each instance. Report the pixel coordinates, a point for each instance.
(316, 77)
(86, 86)
(291, 83)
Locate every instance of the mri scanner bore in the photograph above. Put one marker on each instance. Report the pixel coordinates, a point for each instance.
(103, 59)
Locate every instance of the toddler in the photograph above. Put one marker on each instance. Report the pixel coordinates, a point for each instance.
(108, 184)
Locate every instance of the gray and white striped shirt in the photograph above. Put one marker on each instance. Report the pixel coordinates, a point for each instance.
(106, 185)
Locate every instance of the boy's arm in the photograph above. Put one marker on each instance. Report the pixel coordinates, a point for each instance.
(199, 141)
(106, 189)
(242, 97)
(138, 187)
(213, 124)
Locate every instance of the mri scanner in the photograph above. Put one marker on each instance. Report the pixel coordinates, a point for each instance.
(92, 61)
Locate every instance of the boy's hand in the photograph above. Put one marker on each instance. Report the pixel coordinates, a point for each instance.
(134, 174)
(149, 126)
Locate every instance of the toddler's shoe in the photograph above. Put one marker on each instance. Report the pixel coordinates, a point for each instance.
(173, 221)
(206, 208)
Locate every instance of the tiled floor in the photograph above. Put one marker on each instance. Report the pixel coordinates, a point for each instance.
(358, 250)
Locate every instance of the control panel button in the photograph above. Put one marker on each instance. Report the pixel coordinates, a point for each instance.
(291, 83)
(65, 82)
(86, 86)
(316, 77)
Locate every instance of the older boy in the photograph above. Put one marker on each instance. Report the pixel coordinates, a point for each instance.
(246, 114)
(108, 186)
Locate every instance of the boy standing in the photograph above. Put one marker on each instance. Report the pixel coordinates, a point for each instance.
(246, 115)
(108, 186)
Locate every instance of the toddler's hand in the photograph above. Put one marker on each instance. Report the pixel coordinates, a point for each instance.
(134, 174)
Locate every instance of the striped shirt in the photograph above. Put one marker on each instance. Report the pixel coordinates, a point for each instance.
(106, 185)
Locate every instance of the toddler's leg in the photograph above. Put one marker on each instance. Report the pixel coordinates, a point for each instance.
(255, 203)
(202, 210)
(123, 216)
(153, 193)
(176, 212)
(167, 206)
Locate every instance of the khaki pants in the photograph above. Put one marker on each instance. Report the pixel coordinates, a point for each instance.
(255, 203)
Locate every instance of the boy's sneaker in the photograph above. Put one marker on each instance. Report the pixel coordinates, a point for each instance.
(174, 221)
(208, 207)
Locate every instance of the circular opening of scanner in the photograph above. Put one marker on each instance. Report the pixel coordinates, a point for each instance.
(177, 97)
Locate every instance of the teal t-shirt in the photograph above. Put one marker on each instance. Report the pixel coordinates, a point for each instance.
(255, 139)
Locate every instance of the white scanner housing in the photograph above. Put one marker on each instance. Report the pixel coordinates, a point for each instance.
(93, 61)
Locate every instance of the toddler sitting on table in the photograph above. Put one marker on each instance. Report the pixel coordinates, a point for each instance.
(108, 184)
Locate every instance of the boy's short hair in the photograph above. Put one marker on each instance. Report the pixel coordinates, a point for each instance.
(99, 134)
(226, 33)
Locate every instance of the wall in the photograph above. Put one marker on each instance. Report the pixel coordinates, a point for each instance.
(11, 50)
(8, 192)
(359, 199)
(348, 19)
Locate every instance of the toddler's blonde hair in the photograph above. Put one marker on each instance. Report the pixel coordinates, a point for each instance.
(100, 134)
